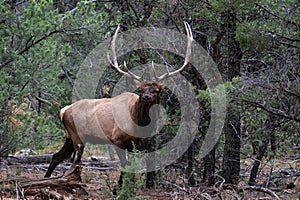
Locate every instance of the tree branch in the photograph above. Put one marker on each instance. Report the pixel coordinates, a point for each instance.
(29, 46)
(273, 111)
(43, 100)
(275, 15)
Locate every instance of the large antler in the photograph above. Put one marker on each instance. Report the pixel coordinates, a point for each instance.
(128, 73)
(187, 56)
(115, 61)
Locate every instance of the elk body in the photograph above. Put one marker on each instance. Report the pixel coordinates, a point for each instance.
(94, 120)
(96, 123)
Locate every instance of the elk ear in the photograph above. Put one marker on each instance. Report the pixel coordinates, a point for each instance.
(160, 87)
(138, 83)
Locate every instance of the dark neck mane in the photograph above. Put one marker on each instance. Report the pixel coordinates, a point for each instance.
(141, 112)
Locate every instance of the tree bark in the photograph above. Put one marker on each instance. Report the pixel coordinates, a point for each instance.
(231, 157)
(260, 154)
(151, 176)
(209, 167)
(269, 136)
(190, 164)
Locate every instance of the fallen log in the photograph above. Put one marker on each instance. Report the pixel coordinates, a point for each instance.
(70, 181)
(46, 158)
(32, 159)
(66, 166)
(261, 189)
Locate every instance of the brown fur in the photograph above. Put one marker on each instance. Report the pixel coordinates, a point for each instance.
(106, 120)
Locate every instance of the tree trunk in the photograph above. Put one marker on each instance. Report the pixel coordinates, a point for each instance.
(150, 179)
(189, 170)
(231, 157)
(269, 136)
(209, 167)
(260, 154)
(151, 176)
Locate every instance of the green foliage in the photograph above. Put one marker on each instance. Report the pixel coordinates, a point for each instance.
(132, 182)
(257, 123)
(38, 55)
(252, 40)
(31, 57)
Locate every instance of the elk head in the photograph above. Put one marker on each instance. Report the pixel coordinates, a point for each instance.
(149, 92)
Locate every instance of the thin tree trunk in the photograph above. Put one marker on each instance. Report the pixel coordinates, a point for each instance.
(150, 162)
(209, 167)
(189, 170)
(260, 154)
(268, 137)
(231, 157)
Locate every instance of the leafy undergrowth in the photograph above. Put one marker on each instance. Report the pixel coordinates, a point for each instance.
(99, 182)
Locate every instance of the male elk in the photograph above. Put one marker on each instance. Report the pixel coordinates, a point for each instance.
(95, 120)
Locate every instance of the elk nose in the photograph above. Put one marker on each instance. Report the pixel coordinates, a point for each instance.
(146, 98)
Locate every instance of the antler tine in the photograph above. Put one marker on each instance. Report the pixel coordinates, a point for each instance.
(138, 78)
(187, 56)
(154, 72)
(115, 64)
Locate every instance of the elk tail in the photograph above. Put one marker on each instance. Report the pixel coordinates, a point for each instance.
(62, 111)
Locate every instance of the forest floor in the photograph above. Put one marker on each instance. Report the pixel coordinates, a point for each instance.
(98, 178)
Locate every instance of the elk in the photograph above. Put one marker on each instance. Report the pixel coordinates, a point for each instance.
(94, 119)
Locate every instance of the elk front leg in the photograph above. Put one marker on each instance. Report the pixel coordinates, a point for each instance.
(122, 156)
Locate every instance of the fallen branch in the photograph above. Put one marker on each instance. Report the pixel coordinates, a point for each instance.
(261, 189)
(67, 166)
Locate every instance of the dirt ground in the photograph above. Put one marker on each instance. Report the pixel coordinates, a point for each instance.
(17, 181)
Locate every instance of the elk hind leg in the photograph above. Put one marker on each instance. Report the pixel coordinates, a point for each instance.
(75, 170)
(65, 152)
(78, 153)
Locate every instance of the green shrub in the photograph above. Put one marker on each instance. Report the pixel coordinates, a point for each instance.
(132, 182)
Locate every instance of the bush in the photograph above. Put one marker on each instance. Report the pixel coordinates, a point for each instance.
(132, 182)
